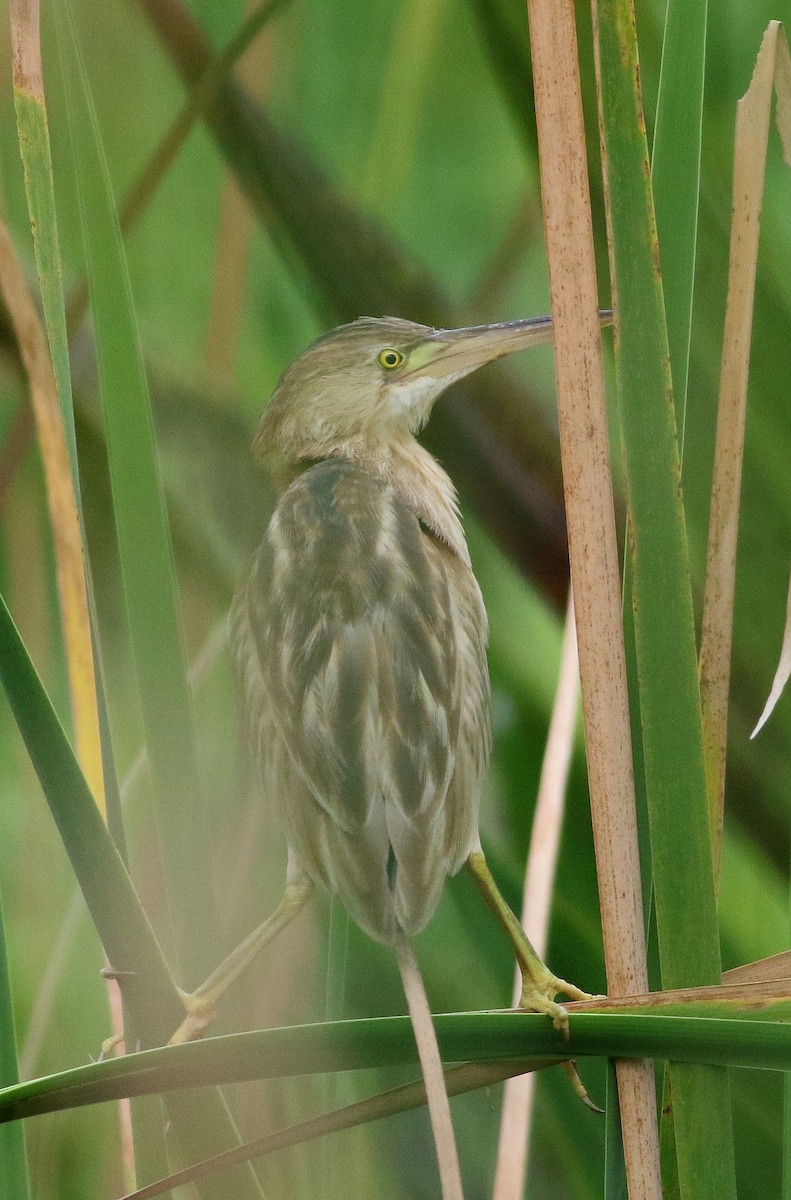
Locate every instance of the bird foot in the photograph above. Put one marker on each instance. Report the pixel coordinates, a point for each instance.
(538, 995)
(200, 1014)
(109, 1044)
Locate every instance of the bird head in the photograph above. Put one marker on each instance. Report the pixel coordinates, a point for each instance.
(361, 385)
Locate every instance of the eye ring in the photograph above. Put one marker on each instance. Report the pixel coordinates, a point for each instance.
(390, 358)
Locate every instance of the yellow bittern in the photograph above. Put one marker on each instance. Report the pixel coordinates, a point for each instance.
(359, 634)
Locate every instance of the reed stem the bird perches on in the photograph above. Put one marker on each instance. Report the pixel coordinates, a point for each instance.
(359, 635)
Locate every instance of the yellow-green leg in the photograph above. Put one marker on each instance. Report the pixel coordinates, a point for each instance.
(539, 985)
(201, 1003)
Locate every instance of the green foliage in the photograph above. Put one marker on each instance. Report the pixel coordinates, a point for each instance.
(444, 186)
(664, 635)
(142, 533)
(14, 1178)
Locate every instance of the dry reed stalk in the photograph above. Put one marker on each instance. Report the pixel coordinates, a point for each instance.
(593, 549)
(35, 354)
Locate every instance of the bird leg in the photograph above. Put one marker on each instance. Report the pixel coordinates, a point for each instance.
(539, 985)
(201, 1003)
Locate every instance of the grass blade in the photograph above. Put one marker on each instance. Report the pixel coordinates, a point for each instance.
(62, 508)
(51, 396)
(34, 147)
(749, 164)
(675, 174)
(14, 1178)
(663, 621)
(149, 992)
(742, 1032)
(106, 886)
(386, 176)
(193, 110)
(458, 1080)
(782, 673)
(143, 536)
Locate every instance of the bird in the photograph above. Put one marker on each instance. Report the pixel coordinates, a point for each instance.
(359, 636)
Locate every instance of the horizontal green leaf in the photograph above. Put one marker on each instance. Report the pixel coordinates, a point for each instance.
(754, 1038)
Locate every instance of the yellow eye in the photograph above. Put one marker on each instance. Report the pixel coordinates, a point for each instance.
(390, 358)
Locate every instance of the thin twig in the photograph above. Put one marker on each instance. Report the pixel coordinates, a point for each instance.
(466, 1078)
(514, 1142)
(234, 232)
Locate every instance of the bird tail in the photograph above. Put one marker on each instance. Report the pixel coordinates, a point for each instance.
(433, 1076)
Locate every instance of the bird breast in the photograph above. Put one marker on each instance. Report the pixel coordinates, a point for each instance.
(360, 639)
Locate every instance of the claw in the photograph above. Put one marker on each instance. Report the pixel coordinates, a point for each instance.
(117, 974)
(538, 996)
(572, 991)
(570, 1067)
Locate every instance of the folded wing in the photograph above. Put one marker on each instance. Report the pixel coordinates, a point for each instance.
(360, 640)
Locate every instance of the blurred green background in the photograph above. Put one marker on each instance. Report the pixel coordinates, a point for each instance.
(419, 111)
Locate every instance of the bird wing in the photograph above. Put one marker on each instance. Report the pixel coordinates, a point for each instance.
(361, 641)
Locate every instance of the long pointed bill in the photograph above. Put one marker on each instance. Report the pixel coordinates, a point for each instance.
(456, 352)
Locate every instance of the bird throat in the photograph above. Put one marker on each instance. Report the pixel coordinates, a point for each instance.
(421, 483)
(417, 479)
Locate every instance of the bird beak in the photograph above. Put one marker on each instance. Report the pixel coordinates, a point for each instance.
(456, 352)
